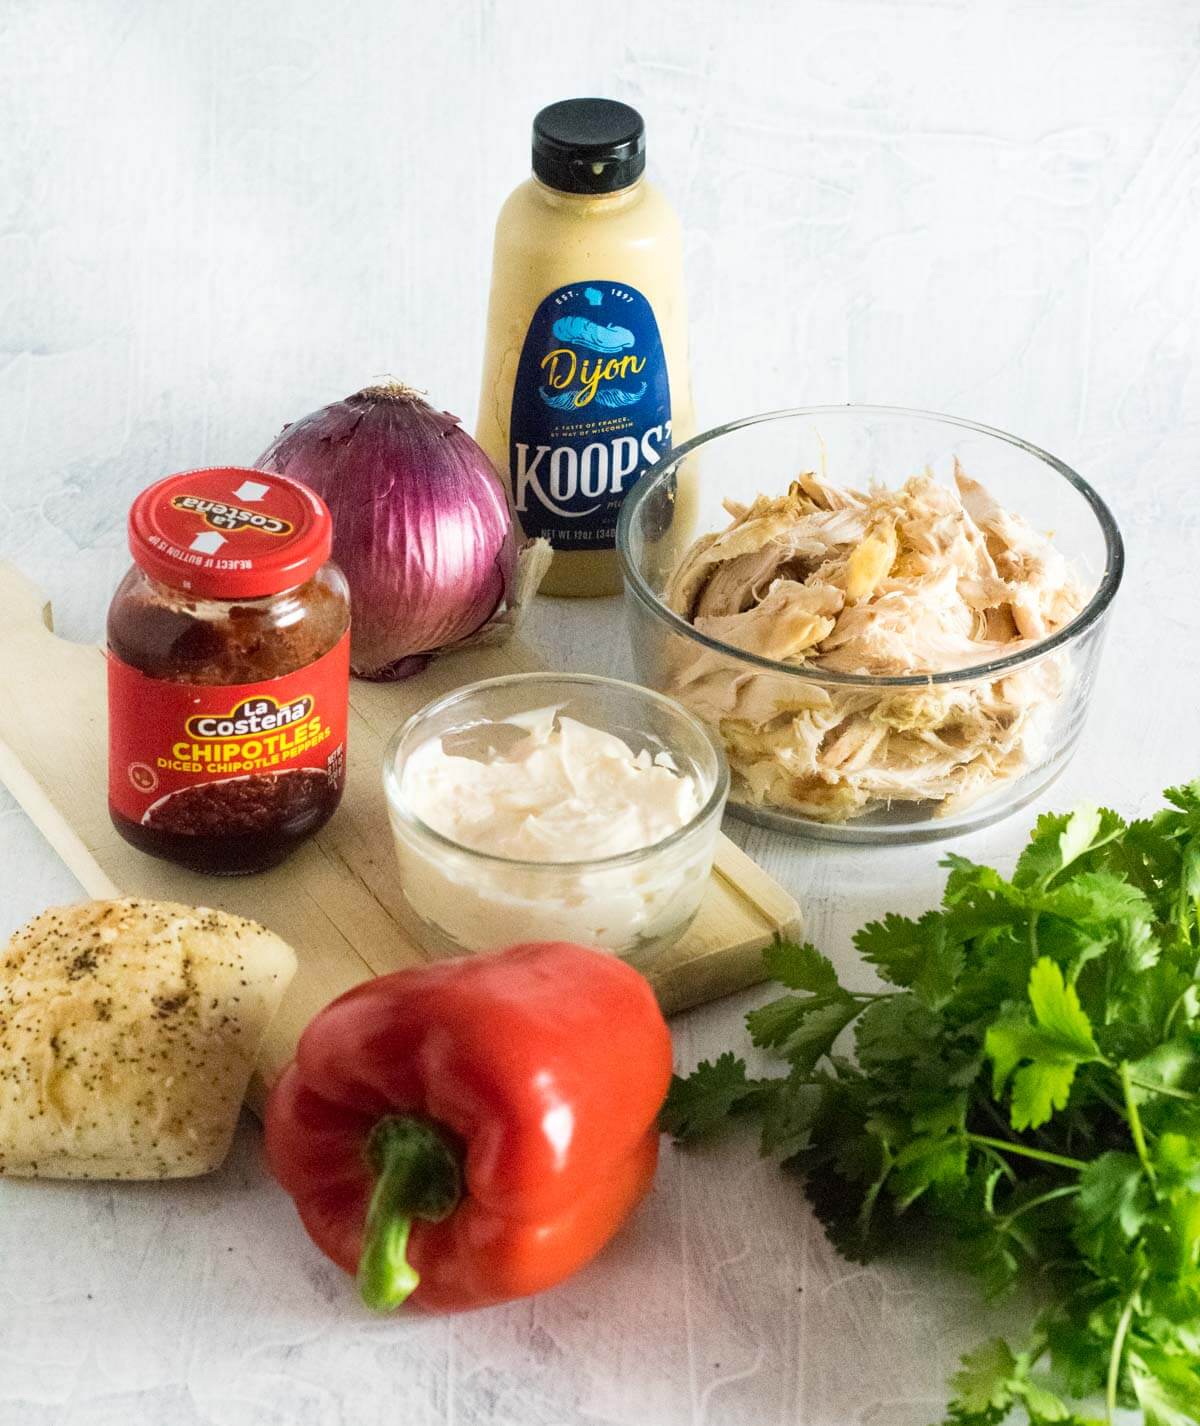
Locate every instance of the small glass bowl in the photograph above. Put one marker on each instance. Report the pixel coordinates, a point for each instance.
(681, 497)
(458, 900)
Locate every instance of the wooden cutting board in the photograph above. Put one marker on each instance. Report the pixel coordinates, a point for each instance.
(336, 899)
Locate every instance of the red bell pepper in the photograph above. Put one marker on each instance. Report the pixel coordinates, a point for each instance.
(475, 1130)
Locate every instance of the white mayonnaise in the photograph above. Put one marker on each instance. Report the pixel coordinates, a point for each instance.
(565, 792)
(552, 796)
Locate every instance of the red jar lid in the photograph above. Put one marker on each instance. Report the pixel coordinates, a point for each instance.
(229, 532)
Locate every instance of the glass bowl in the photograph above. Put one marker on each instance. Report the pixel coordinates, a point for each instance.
(680, 498)
(457, 899)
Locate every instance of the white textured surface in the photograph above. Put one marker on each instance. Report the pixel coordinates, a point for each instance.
(216, 216)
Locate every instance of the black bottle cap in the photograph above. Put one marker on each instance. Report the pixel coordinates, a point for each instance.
(588, 145)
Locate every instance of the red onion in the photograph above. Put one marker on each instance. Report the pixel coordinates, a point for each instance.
(421, 524)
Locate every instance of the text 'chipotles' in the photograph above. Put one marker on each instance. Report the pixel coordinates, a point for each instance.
(228, 672)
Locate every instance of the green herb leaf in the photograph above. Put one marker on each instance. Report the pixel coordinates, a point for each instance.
(1167, 1388)
(800, 967)
(802, 1028)
(1172, 1065)
(1058, 1012)
(1043, 1406)
(925, 1162)
(969, 879)
(703, 1102)
(1114, 1203)
(1097, 897)
(1055, 1046)
(1027, 1097)
(1186, 797)
(1060, 839)
(916, 954)
(896, 1030)
(788, 1113)
(983, 1384)
(1038, 1090)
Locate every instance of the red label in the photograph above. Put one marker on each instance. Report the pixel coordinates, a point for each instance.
(164, 737)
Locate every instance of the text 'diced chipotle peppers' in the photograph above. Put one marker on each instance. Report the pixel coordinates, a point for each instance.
(228, 672)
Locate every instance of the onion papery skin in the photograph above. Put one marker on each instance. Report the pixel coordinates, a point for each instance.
(422, 527)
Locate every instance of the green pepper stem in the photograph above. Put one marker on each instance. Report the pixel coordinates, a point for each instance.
(417, 1175)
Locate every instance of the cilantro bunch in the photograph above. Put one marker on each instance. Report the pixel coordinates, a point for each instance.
(1027, 1093)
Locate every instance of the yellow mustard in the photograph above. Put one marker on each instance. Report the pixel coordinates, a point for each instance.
(585, 375)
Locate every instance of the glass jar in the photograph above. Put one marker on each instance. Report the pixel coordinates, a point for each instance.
(228, 672)
(460, 897)
(947, 750)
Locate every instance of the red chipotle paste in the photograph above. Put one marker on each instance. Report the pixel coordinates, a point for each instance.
(228, 672)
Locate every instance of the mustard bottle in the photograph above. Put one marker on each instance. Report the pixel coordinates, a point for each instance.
(585, 373)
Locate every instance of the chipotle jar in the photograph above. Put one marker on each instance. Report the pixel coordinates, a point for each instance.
(228, 672)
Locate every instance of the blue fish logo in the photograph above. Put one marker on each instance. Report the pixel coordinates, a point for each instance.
(583, 332)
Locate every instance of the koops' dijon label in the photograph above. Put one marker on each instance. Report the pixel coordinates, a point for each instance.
(591, 411)
(168, 740)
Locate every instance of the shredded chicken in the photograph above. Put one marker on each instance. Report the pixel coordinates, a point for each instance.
(920, 580)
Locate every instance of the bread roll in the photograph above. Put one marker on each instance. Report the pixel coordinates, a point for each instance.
(128, 1031)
